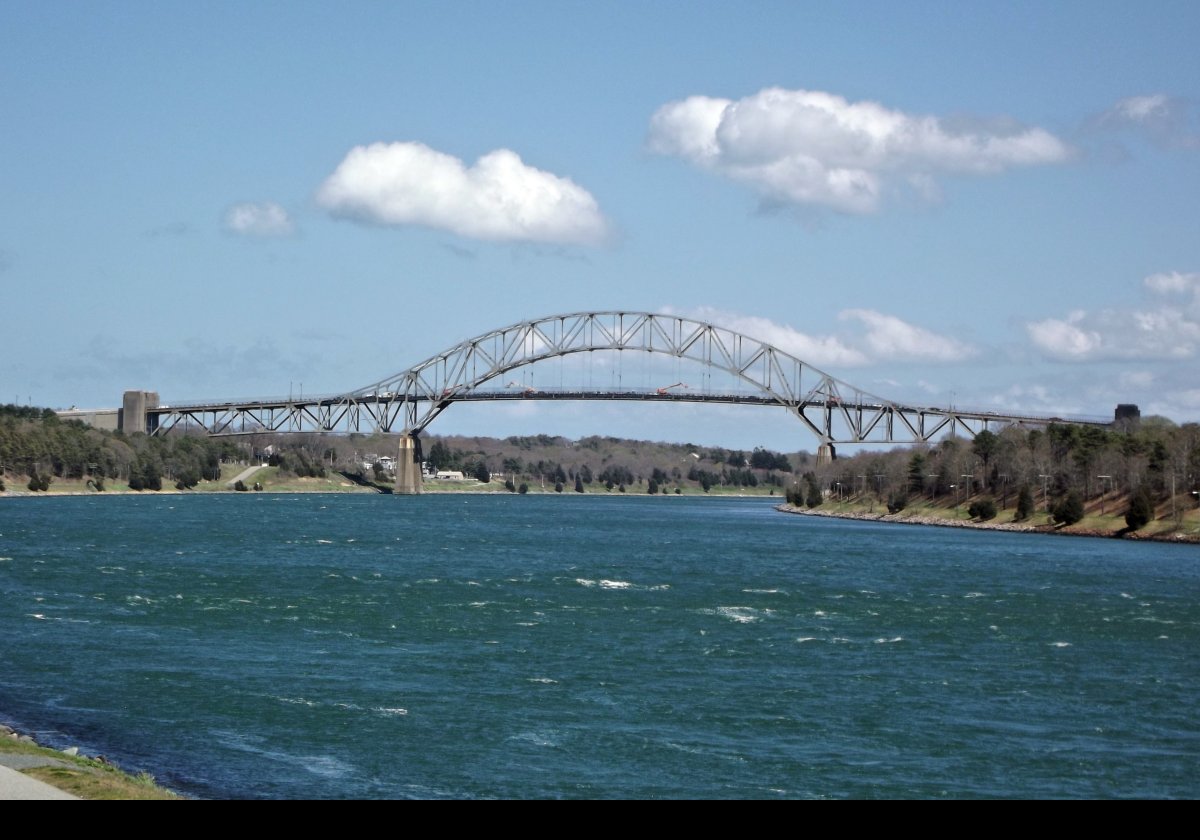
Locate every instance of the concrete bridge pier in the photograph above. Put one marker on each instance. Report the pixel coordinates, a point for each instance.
(408, 467)
(826, 454)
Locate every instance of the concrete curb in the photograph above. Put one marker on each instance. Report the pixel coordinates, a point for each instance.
(15, 785)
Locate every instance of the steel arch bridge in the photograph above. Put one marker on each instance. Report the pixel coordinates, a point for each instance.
(407, 402)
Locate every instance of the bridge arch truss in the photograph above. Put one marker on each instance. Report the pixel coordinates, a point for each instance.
(407, 402)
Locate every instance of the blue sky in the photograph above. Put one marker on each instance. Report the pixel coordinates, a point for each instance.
(990, 204)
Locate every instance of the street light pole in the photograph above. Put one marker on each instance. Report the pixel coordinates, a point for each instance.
(1103, 478)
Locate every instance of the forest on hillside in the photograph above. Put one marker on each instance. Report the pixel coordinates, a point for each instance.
(37, 445)
(1157, 459)
(1057, 470)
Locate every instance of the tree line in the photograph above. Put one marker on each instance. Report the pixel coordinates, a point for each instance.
(1056, 470)
(38, 444)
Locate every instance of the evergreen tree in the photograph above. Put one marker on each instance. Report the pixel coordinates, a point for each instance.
(982, 509)
(984, 447)
(439, 456)
(1141, 510)
(1069, 509)
(916, 472)
(1025, 503)
(815, 498)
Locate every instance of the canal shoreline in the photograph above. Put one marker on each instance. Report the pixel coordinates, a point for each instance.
(902, 518)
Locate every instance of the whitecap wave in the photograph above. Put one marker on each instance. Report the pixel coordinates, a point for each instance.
(541, 739)
(741, 615)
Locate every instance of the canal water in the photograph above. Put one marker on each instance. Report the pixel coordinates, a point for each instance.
(289, 646)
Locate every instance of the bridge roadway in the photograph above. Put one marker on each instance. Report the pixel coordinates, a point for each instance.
(864, 421)
(835, 411)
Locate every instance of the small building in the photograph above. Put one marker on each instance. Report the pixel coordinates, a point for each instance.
(449, 475)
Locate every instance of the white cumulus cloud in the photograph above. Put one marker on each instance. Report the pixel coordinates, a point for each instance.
(499, 198)
(1168, 328)
(821, 351)
(264, 218)
(889, 337)
(810, 147)
(1062, 399)
(1176, 283)
(885, 339)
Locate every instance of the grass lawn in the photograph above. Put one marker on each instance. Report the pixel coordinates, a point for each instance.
(86, 777)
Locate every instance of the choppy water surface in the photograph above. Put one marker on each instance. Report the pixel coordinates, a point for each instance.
(566, 646)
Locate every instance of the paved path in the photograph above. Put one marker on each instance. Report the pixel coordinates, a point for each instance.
(243, 475)
(16, 785)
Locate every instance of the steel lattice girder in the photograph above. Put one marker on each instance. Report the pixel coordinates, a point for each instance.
(413, 398)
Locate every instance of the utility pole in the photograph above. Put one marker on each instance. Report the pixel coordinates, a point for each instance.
(1103, 490)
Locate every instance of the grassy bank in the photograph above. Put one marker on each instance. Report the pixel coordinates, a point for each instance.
(1103, 517)
(87, 778)
(272, 479)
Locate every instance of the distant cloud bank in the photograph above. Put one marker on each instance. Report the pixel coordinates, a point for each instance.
(498, 198)
(1167, 329)
(258, 219)
(812, 148)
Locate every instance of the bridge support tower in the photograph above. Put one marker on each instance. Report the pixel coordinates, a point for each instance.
(408, 467)
(825, 454)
